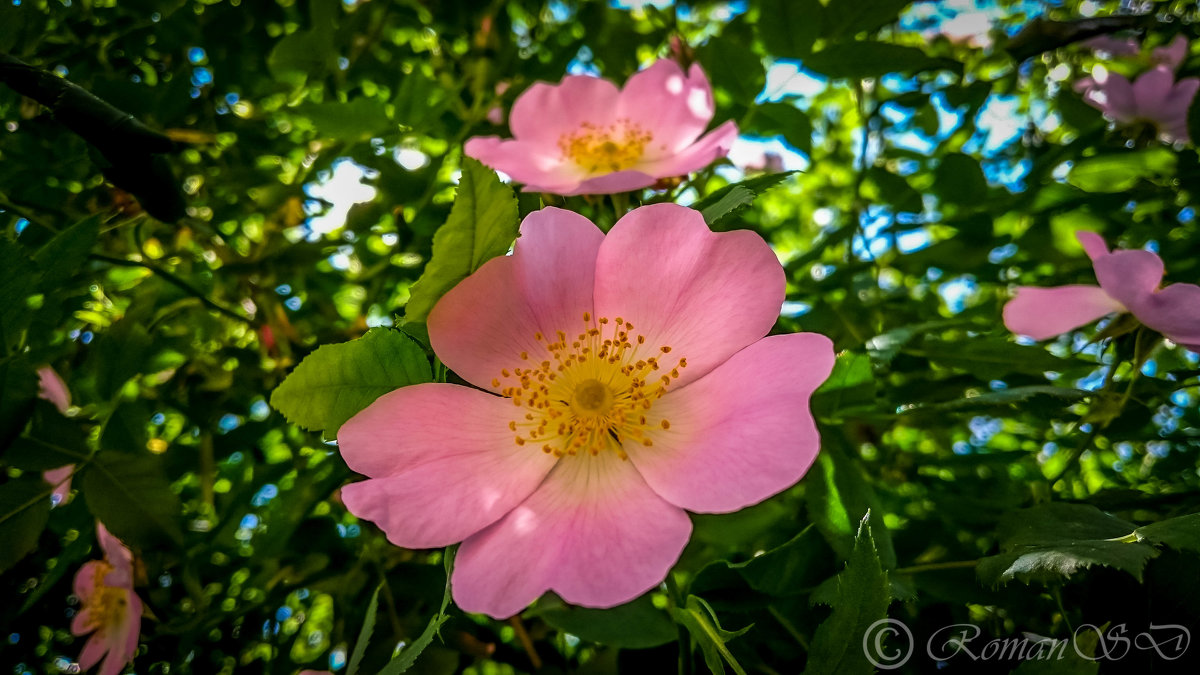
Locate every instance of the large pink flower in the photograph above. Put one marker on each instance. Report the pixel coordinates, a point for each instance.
(111, 611)
(1129, 282)
(1154, 98)
(585, 136)
(623, 379)
(53, 389)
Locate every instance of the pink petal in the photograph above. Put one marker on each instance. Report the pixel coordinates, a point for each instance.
(594, 533)
(1173, 55)
(95, 648)
(741, 433)
(483, 324)
(1092, 243)
(53, 389)
(1112, 46)
(1118, 101)
(117, 555)
(1128, 276)
(85, 578)
(60, 478)
(1043, 313)
(81, 622)
(1173, 311)
(711, 147)
(523, 161)
(675, 108)
(1150, 92)
(705, 295)
(443, 463)
(544, 112)
(606, 184)
(130, 630)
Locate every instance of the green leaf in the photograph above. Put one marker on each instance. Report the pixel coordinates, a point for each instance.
(1075, 657)
(364, 635)
(883, 185)
(737, 196)
(852, 383)
(788, 28)
(788, 569)
(861, 599)
(1193, 118)
(783, 119)
(992, 359)
(701, 622)
(838, 497)
(857, 60)
(53, 441)
(17, 276)
(1007, 398)
(18, 390)
(959, 179)
(352, 121)
(24, 510)
(64, 255)
(120, 354)
(1120, 171)
(482, 225)
(637, 624)
(1182, 533)
(732, 66)
(130, 494)
(1051, 542)
(336, 382)
(409, 654)
(301, 55)
(847, 19)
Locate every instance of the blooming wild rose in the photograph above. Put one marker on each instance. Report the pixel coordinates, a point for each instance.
(585, 136)
(622, 381)
(1130, 281)
(110, 610)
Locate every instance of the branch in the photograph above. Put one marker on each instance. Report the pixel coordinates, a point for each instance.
(179, 283)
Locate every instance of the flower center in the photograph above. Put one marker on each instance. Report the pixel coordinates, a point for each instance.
(591, 393)
(605, 149)
(106, 605)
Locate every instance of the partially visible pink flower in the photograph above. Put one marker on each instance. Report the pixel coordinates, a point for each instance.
(1112, 46)
(1154, 98)
(585, 136)
(53, 389)
(1130, 281)
(110, 610)
(623, 380)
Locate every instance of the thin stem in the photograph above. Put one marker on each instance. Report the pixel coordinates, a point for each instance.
(788, 626)
(526, 642)
(179, 283)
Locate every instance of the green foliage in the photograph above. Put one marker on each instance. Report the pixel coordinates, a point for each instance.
(482, 225)
(315, 151)
(861, 599)
(335, 382)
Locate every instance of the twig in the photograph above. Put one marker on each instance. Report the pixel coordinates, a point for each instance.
(526, 642)
(179, 283)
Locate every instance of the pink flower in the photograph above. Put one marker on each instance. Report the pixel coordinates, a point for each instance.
(625, 380)
(53, 389)
(1154, 98)
(111, 611)
(1129, 282)
(584, 136)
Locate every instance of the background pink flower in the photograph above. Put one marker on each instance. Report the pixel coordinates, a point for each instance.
(585, 136)
(1154, 98)
(110, 610)
(634, 382)
(53, 389)
(1129, 282)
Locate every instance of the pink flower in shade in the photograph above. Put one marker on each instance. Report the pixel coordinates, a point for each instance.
(111, 611)
(1154, 98)
(53, 389)
(1129, 282)
(585, 136)
(623, 380)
